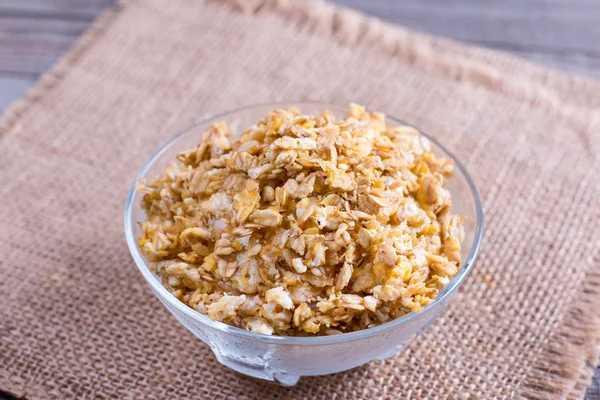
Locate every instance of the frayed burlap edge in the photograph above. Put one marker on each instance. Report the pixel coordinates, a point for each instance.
(568, 360)
(567, 363)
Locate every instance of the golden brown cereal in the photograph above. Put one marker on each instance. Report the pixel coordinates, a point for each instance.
(305, 225)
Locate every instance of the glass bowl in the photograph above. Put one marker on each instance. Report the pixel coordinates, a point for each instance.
(285, 359)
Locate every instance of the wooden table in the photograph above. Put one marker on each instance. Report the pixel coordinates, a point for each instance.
(558, 34)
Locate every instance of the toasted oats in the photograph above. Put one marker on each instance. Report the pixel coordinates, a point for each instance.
(245, 203)
(386, 254)
(298, 265)
(280, 297)
(258, 325)
(371, 303)
(352, 301)
(266, 217)
(344, 276)
(304, 225)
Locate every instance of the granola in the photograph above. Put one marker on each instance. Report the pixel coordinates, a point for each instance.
(304, 225)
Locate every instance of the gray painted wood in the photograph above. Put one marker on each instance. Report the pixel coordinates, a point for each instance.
(560, 34)
(30, 45)
(13, 87)
(55, 9)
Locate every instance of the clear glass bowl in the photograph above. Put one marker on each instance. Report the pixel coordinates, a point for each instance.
(285, 359)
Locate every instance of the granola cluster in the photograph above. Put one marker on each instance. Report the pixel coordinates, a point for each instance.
(304, 225)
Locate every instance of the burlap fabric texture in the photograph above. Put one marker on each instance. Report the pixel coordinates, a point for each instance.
(78, 321)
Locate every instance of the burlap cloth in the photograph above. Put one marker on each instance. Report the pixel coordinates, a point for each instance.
(78, 321)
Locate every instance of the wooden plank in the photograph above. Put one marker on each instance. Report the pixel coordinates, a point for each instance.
(39, 27)
(55, 9)
(561, 25)
(593, 391)
(13, 87)
(572, 62)
(31, 45)
(554, 33)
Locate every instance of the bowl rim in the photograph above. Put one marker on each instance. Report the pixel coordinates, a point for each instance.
(160, 290)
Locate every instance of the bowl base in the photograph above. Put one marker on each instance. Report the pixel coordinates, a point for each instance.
(256, 370)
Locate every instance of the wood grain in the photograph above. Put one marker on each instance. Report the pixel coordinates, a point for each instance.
(13, 88)
(565, 35)
(558, 34)
(55, 9)
(29, 46)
